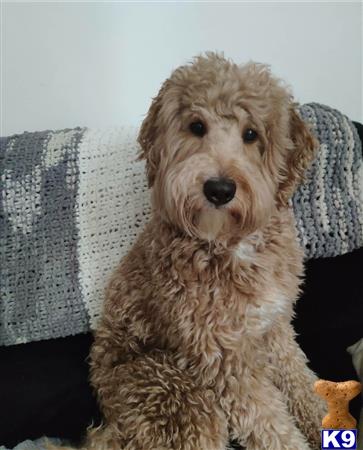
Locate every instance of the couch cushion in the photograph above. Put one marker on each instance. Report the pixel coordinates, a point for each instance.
(329, 316)
(44, 390)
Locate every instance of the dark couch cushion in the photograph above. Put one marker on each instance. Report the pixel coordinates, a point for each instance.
(329, 316)
(44, 390)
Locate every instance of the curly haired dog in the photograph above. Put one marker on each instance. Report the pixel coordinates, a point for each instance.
(195, 345)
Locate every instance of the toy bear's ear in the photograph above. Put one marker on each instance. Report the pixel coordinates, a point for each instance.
(300, 156)
(148, 134)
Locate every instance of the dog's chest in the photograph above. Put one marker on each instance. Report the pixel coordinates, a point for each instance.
(240, 303)
(260, 298)
(243, 315)
(218, 322)
(218, 305)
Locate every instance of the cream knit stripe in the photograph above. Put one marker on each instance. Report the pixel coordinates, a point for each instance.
(112, 207)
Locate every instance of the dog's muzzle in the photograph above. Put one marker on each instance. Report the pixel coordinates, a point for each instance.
(219, 191)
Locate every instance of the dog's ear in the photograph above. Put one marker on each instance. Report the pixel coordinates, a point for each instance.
(147, 136)
(300, 156)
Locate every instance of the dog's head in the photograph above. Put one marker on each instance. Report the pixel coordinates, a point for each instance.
(224, 147)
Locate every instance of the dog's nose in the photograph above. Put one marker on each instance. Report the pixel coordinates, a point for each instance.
(219, 191)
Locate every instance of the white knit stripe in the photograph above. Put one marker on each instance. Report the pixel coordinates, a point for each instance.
(111, 200)
(359, 176)
(348, 178)
(303, 235)
(57, 147)
(336, 191)
(323, 209)
(342, 229)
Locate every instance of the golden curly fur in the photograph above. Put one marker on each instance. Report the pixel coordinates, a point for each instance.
(195, 345)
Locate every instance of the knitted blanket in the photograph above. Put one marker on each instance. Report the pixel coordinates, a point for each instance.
(38, 444)
(73, 201)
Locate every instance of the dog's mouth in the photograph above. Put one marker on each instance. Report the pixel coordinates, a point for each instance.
(212, 221)
(236, 215)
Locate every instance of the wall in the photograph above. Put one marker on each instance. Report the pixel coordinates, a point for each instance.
(99, 64)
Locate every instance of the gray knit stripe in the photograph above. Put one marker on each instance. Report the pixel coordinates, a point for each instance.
(328, 206)
(39, 288)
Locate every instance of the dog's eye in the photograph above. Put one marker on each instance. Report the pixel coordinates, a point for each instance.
(198, 128)
(249, 135)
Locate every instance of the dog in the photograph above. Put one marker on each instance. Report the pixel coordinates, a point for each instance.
(195, 345)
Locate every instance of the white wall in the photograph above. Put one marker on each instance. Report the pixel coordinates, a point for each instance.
(99, 64)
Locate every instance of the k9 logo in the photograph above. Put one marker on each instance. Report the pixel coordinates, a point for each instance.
(338, 439)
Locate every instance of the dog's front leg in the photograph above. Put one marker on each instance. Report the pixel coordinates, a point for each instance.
(156, 406)
(296, 381)
(261, 420)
